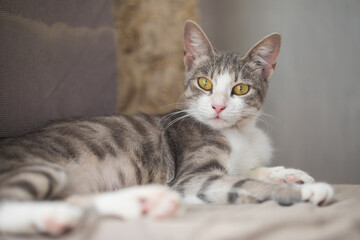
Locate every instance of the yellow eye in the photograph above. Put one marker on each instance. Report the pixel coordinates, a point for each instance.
(240, 89)
(205, 83)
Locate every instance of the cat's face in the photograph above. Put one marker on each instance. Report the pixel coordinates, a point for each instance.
(224, 89)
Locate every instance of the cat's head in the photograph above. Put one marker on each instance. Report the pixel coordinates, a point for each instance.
(225, 89)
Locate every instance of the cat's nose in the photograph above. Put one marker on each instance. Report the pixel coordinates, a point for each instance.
(218, 108)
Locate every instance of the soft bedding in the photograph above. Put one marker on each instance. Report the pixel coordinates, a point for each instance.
(340, 220)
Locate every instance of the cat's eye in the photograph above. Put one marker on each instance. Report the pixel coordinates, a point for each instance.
(240, 89)
(205, 83)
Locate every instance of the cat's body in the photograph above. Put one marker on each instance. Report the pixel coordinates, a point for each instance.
(94, 159)
(211, 152)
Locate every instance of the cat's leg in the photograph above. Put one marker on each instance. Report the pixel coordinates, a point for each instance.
(50, 217)
(154, 201)
(20, 187)
(281, 175)
(32, 182)
(54, 217)
(217, 188)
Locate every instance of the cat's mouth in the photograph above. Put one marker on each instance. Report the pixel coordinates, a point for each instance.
(218, 122)
(218, 119)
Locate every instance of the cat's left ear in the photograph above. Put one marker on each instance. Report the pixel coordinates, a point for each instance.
(264, 54)
(196, 44)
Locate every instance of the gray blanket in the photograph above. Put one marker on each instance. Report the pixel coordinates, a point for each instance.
(340, 220)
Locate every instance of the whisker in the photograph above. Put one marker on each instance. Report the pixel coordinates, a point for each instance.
(171, 104)
(268, 115)
(176, 120)
(172, 114)
(177, 103)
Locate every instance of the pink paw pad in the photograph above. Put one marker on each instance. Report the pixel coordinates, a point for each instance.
(290, 178)
(54, 227)
(150, 202)
(159, 205)
(171, 209)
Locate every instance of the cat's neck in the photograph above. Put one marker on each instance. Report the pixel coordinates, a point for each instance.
(246, 139)
(243, 125)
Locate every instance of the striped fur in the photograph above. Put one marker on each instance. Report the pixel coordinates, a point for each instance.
(109, 153)
(103, 154)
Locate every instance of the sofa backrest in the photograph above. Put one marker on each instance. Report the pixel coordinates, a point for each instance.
(57, 61)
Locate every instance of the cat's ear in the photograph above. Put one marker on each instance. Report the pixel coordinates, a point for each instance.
(196, 44)
(263, 55)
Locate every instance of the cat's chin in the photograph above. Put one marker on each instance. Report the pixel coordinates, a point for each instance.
(219, 123)
(215, 122)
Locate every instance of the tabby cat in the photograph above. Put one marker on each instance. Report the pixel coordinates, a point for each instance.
(211, 152)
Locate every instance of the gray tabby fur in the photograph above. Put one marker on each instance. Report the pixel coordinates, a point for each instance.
(110, 153)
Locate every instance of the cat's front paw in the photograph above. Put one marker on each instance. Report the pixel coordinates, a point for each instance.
(317, 193)
(154, 201)
(289, 175)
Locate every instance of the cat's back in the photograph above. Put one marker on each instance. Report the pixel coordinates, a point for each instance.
(72, 140)
(100, 136)
(97, 154)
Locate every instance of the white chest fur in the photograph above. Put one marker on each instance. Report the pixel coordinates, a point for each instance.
(250, 148)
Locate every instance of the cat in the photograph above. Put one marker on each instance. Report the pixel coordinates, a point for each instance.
(211, 152)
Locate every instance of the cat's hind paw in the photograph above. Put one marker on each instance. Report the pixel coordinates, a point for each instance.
(49, 218)
(289, 175)
(317, 193)
(58, 219)
(154, 201)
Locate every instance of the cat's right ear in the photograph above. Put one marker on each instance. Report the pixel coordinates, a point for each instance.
(196, 44)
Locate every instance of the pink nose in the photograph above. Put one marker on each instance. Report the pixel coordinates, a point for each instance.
(218, 108)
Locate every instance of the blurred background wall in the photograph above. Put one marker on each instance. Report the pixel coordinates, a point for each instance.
(314, 94)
